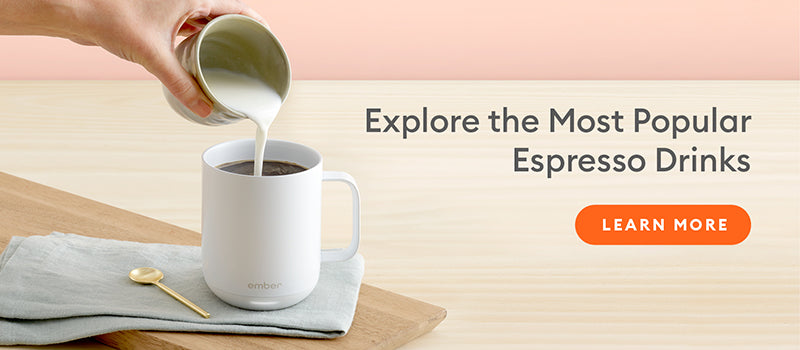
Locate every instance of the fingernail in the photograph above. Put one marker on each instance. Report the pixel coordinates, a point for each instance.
(202, 108)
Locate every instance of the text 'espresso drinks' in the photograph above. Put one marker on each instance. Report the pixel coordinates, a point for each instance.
(252, 98)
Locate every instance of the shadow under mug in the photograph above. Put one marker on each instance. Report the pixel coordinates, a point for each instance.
(261, 243)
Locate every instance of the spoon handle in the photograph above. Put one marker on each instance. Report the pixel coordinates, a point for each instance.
(183, 300)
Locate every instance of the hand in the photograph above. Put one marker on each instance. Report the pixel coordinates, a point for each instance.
(141, 31)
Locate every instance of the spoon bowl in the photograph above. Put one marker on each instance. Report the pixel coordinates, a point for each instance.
(146, 275)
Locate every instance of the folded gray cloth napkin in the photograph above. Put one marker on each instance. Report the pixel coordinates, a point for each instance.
(63, 287)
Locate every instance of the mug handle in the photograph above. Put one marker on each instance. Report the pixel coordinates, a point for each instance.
(342, 254)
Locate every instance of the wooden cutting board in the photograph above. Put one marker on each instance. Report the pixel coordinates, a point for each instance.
(382, 320)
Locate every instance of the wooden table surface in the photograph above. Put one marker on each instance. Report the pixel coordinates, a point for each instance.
(446, 219)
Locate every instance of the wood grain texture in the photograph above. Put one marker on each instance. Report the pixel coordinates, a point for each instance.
(447, 221)
(383, 319)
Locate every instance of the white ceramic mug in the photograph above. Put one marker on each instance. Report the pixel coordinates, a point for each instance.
(261, 234)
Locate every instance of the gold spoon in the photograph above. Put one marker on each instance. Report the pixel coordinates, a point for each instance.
(149, 275)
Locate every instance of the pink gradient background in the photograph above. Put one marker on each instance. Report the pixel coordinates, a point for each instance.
(500, 39)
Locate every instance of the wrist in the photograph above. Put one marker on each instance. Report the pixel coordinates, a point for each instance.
(59, 18)
(67, 18)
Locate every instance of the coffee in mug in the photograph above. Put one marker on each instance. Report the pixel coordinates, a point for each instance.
(268, 168)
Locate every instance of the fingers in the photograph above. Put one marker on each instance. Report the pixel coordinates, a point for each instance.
(253, 14)
(180, 83)
(190, 27)
(198, 17)
(222, 7)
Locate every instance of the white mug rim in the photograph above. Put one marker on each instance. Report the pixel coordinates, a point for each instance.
(251, 142)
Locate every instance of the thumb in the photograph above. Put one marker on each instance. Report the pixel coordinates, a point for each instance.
(180, 83)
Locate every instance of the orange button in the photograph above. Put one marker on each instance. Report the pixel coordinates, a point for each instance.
(663, 224)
